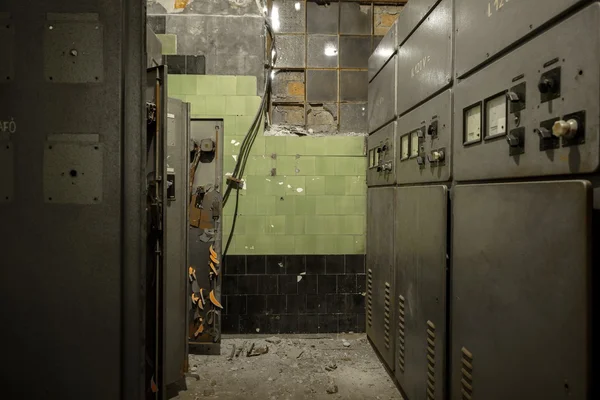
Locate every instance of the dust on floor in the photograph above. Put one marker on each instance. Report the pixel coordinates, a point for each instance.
(286, 367)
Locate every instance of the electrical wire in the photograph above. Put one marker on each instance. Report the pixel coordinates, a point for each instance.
(249, 139)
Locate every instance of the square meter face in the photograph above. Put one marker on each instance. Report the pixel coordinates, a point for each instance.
(472, 124)
(405, 147)
(495, 116)
(414, 143)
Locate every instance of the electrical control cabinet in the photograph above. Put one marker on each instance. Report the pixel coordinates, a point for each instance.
(382, 96)
(534, 112)
(384, 51)
(424, 141)
(381, 204)
(425, 59)
(411, 16)
(382, 156)
(521, 281)
(421, 278)
(486, 28)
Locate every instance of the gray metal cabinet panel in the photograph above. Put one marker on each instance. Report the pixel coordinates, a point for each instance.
(385, 49)
(382, 156)
(485, 28)
(412, 14)
(380, 276)
(382, 96)
(425, 59)
(520, 290)
(421, 274)
(177, 242)
(572, 48)
(431, 126)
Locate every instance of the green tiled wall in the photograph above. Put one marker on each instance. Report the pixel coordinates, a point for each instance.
(316, 201)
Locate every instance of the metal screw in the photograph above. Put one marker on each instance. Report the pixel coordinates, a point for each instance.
(74, 52)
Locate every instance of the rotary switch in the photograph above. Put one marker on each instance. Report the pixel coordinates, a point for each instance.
(546, 85)
(566, 129)
(544, 133)
(513, 140)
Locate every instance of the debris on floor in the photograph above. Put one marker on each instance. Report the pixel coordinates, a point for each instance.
(291, 367)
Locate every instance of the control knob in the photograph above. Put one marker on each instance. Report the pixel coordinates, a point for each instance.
(566, 129)
(436, 156)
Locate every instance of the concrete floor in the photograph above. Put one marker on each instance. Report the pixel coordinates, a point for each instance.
(295, 367)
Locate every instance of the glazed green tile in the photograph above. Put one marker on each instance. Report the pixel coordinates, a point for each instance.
(324, 166)
(295, 185)
(240, 225)
(174, 86)
(344, 205)
(275, 186)
(286, 165)
(243, 124)
(258, 147)
(360, 205)
(259, 165)
(345, 166)
(187, 84)
(345, 145)
(315, 146)
(306, 166)
(252, 104)
(345, 244)
(325, 244)
(335, 185)
(360, 164)
(295, 224)
(275, 145)
(313, 224)
(226, 225)
(275, 224)
(255, 185)
(296, 145)
(235, 105)
(356, 185)
(305, 244)
(231, 147)
(246, 86)
(360, 244)
(169, 43)
(285, 205)
(353, 224)
(198, 104)
(315, 185)
(326, 205)
(206, 84)
(226, 85)
(263, 245)
(265, 205)
(282, 244)
(306, 205)
(228, 209)
(245, 244)
(247, 205)
(255, 224)
(215, 105)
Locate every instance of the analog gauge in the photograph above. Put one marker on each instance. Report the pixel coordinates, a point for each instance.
(472, 122)
(495, 116)
(404, 145)
(414, 144)
(371, 160)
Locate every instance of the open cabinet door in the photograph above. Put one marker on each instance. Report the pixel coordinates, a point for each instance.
(176, 256)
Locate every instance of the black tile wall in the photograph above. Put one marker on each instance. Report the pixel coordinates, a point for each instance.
(294, 294)
(181, 64)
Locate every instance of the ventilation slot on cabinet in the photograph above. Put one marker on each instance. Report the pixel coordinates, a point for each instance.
(386, 320)
(401, 339)
(430, 360)
(370, 298)
(466, 382)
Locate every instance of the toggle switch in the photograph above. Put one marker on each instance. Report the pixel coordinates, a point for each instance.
(386, 166)
(566, 129)
(513, 140)
(544, 133)
(420, 160)
(546, 85)
(432, 130)
(512, 97)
